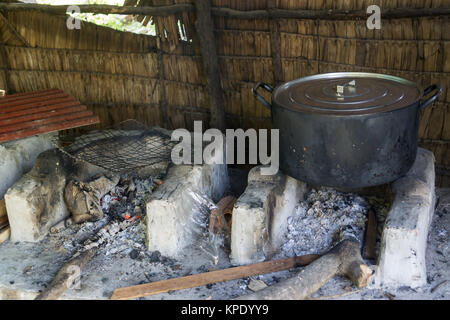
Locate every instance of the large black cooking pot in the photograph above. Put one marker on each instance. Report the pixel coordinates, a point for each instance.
(347, 129)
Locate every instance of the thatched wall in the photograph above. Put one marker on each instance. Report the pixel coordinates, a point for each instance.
(160, 80)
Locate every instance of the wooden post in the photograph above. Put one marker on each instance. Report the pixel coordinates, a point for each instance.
(205, 30)
(275, 46)
(163, 101)
(4, 66)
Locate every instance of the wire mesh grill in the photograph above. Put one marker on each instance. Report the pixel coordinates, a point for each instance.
(122, 150)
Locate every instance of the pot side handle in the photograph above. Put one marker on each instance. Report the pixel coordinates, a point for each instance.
(434, 87)
(266, 87)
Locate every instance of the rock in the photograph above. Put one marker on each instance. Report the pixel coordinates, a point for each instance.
(83, 198)
(256, 285)
(155, 256)
(134, 254)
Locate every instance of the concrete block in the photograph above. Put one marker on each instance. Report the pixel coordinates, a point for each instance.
(17, 157)
(260, 215)
(403, 245)
(174, 217)
(35, 203)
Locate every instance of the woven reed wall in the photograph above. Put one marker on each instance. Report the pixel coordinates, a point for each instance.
(160, 81)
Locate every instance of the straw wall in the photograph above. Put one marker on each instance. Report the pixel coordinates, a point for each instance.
(160, 80)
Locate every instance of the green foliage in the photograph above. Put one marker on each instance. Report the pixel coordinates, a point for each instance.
(115, 21)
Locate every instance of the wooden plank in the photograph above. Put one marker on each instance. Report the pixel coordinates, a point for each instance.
(64, 115)
(20, 96)
(4, 234)
(3, 221)
(27, 114)
(7, 105)
(39, 115)
(54, 106)
(2, 208)
(49, 128)
(211, 277)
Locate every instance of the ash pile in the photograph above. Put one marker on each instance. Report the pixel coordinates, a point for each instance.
(326, 217)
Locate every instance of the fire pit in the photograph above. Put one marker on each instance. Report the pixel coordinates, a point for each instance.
(156, 227)
(267, 223)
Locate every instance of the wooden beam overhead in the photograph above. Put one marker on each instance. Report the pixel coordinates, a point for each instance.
(274, 13)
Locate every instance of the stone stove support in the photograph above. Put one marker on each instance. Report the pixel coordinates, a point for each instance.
(18, 156)
(259, 213)
(403, 244)
(35, 203)
(171, 209)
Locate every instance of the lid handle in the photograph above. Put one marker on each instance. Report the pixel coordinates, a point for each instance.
(340, 88)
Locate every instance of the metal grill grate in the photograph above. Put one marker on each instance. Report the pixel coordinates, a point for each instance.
(122, 150)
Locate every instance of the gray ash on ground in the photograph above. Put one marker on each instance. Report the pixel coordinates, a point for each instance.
(120, 231)
(326, 217)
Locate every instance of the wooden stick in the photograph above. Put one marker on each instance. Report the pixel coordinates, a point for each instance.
(62, 281)
(13, 30)
(3, 221)
(211, 277)
(217, 222)
(438, 286)
(343, 259)
(5, 232)
(205, 31)
(327, 14)
(65, 276)
(370, 240)
(2, 208)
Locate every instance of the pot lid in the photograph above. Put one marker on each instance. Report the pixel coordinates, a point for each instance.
(347, 93)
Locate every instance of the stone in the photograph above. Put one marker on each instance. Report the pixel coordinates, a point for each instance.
(155, 256)
(134, 254)
(403, 244)
(36, 203)
(174, 211)
(17, 157)
(260, 215)
(83, 198)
